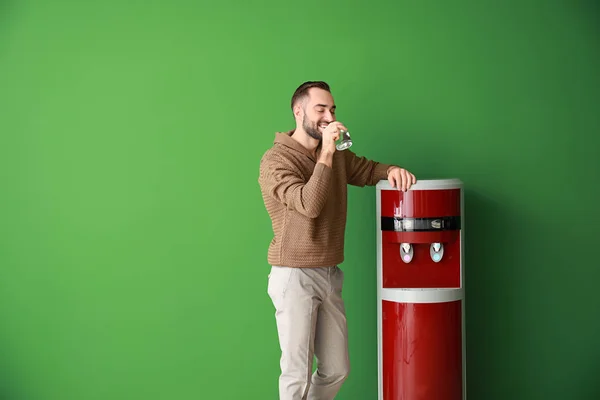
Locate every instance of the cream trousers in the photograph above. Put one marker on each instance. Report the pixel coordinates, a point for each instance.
(311, 321)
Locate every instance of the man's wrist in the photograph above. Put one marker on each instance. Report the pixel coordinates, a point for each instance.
(326, 158)
(327, 153)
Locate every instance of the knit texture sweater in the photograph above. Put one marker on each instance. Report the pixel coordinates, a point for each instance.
(306, 201)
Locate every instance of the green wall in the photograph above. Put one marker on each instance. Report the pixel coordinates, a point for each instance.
(133, 237)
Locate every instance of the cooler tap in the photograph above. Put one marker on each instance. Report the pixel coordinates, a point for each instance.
(436, 251)
(406, 252)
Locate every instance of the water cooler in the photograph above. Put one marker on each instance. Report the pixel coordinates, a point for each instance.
(420, 291)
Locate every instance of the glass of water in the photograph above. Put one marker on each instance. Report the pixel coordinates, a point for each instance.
(344, 142)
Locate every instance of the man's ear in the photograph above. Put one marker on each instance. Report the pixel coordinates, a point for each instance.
(298, 110)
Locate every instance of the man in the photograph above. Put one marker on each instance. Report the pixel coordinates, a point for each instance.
(303, 180)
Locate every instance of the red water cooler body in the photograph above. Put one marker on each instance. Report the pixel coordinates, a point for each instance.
(420, 293)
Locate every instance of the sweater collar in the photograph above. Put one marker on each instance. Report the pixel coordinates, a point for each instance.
(285, 138)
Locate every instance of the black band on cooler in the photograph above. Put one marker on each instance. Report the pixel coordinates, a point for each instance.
(398, 224)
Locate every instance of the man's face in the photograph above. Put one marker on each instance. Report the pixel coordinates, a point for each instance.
(318, 112)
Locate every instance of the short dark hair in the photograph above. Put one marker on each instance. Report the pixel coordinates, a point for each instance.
(302, 90)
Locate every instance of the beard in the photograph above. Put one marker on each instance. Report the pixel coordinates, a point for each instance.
(311, 128)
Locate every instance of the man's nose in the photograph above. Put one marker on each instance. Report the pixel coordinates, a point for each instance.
(330, 117)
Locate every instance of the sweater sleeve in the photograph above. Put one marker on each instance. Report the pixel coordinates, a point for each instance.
(361, 171)
(281, 180)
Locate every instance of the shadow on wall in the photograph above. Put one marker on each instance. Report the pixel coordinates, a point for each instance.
(591, 379)
(591, 10)
(523, 340)
(8, 390)
(491, 325)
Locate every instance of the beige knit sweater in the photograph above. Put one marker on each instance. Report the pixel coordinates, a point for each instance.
(306, 201)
